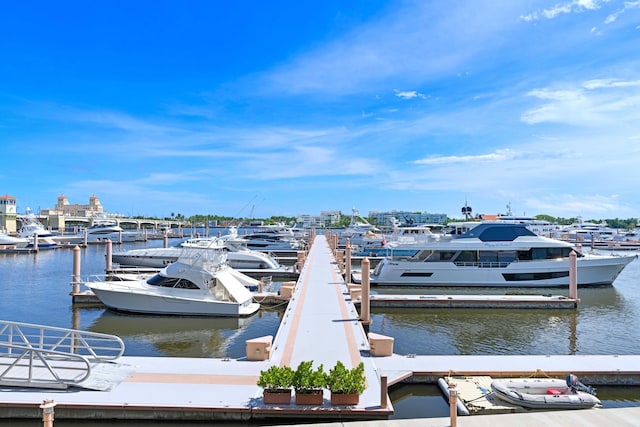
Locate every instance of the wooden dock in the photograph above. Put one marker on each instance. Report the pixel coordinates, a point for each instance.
(320, 323)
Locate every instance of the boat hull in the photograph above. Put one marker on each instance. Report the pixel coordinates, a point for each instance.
(596, 271)
(157, 304)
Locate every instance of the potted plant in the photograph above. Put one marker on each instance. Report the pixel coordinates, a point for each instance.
(276, 382)
(308, 383)
(346, 385)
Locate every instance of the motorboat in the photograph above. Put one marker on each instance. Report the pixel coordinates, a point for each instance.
(405, 240)
(7, 241)
(496, 254)
(549, 393)
(33, 230)
(361, 233)
(238, 256)
(199, 283)
(265, 241)
(103, 229)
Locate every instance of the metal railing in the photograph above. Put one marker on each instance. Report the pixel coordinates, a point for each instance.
(45, 356)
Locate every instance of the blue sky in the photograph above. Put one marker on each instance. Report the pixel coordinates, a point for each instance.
(260, 108)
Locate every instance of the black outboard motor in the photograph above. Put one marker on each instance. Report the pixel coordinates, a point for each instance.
(575, 385)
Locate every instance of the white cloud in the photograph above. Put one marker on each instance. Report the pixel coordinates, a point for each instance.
(597, 102)
(409, 94)
(496, 156)
(574, 6)
(413, 43)
(627, 5)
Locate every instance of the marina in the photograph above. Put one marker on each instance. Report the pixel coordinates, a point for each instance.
(380, 327)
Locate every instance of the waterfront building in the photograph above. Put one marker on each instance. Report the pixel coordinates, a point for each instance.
(384, 219)
(64, 208)
(8, 213)
(325, 219)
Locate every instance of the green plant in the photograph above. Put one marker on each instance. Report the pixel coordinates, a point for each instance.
(347, 381)
(276, 378)
(306, 380)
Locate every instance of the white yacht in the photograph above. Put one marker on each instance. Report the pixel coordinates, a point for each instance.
(498, 255)
(266, 241)
(238, 256)
(199, 283)
(7, 241)
(103, 229)
(405, 240)
(31, 228)
(361, 233)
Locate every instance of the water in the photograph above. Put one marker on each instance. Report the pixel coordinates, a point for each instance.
(34, 288)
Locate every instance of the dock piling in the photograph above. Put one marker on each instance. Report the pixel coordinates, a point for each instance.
(384, 392)
(347, 267)
(76, 269)
(453, 405)
(47, 412)
(573, 276)
(365, 305)
(108, 255)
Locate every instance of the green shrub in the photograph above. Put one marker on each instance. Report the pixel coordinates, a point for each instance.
(347, 381)
(306, 380)
(276, 377)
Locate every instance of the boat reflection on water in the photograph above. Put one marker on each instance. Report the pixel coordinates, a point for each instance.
(173, 336)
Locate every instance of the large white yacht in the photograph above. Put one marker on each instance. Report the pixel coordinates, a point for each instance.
(200, 284)
(498, 255)
(103, 229)
(238, 255)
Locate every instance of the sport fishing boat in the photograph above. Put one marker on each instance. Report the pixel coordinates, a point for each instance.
(498, 255)
(33, 230)
(549, 393)
(199, 283)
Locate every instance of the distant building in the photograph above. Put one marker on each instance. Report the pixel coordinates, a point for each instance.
(383, 219)
(325, 219)
(8, 214)
(64, 208)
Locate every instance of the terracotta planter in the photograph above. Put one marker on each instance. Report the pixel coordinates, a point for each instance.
(277, 397)
(312, 398)
(338, 399)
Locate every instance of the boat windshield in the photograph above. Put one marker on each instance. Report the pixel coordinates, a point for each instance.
(171, 282)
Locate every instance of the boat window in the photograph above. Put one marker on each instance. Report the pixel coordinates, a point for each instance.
(538, 253)
(441, 256)
(555, 253)
(185, 284)
(525, 255)
(506, 256)
(520, 277)
(488, 256)
(424, 255)
(467, 256)
(171, 282)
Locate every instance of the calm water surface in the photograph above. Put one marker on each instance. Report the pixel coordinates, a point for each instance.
(35, 288)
